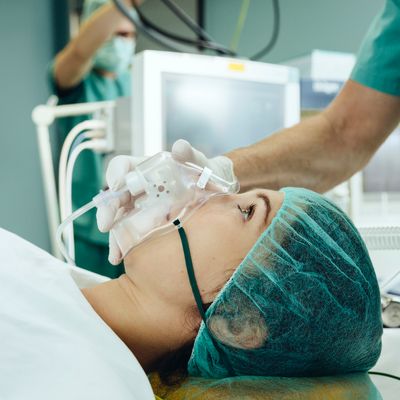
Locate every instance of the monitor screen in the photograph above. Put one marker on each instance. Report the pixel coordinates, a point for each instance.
(219, 114)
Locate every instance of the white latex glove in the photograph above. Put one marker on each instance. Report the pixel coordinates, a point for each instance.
(222, 166)
(115, 177)
(121, 165)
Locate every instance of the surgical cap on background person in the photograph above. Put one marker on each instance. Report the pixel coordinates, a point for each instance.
(90, 6)
(304, 302)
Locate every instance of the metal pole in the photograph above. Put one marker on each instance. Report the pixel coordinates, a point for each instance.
(49, 186)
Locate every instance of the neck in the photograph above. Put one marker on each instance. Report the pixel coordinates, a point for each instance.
(136, 318)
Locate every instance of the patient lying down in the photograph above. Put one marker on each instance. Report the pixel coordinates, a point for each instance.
(285, 279)
(301, 298)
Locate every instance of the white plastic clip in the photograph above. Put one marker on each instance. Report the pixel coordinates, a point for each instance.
(204, 178)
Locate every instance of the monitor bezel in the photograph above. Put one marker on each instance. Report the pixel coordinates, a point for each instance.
(147, 73)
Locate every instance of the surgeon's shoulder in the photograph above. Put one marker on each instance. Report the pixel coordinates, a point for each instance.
(379, 54)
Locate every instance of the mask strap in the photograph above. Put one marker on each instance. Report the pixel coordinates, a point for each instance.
(196, 293)
(190, 270)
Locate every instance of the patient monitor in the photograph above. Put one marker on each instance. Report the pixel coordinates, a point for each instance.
(216, 103)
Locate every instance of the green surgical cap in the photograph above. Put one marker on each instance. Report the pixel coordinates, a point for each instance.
(90, 6)
(304, 302)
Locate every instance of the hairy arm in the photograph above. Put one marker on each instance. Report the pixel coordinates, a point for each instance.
(324, 150)
(75, 60)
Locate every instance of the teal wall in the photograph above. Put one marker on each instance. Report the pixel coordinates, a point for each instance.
(30, 33)
(305, 25)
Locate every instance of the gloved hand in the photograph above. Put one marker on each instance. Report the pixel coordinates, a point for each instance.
(220, 165)
(115, 177)
(121, 165)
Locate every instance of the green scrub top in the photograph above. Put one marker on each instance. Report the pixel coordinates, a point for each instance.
(91, 246)
(378, 61)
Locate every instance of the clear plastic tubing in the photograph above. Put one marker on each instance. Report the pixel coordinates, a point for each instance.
(101, 198)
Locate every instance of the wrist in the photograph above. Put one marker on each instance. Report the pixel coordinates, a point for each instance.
(128, 3)
(111, 13)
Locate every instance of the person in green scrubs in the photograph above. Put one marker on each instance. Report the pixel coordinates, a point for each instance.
(326, 149)
(94, 66)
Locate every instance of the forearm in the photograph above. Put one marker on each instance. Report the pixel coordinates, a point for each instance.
(307, 155)
(324, 150)
(74, 61)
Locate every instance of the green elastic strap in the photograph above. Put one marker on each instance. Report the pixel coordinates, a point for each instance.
(196, 292)
(190, 270)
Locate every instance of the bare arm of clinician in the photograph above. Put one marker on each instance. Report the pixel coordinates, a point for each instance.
(75, 60)
(323, 150)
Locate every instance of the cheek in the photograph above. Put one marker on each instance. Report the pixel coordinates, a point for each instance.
(159, 266)
(217, 249)
(157, 257)
(217, 236)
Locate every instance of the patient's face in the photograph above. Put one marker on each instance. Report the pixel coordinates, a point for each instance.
(220, 234)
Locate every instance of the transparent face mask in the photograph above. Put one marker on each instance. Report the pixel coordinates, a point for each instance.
(163, 194)
(163, 191)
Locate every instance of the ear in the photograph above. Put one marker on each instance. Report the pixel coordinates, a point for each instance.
(248, 334)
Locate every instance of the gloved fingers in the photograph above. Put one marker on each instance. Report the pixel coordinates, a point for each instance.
(183, 151)
(114, 255)
(115, 177)
(223, 166)
(118, 168)
(106, 213)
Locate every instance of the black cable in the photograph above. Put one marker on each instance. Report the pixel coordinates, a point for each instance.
(161, 36)
(205, 42)
(133, 17)
(192, 25)
(184, 40)
(384, 374)
(168, 39)
(166, 33)
(274, 36)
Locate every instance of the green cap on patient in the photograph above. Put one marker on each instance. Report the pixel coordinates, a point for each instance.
(304, 302)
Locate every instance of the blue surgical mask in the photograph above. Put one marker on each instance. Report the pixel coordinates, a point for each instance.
(115, 55)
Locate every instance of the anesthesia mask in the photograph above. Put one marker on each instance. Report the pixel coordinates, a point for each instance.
(163, 194)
